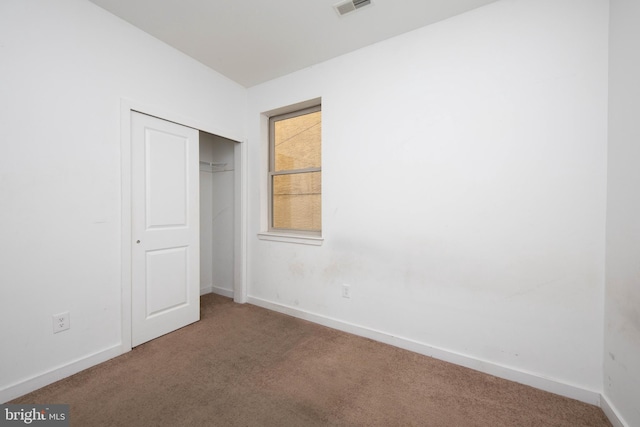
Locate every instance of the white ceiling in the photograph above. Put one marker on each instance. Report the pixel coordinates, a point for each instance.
(252, 41)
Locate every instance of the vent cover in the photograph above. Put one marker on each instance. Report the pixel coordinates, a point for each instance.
(350, 6)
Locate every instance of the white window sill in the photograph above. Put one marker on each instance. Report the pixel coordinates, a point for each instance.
(291, 238)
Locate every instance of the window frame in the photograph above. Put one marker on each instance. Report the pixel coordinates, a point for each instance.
(272, 173)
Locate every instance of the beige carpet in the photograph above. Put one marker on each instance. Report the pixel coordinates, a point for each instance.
(242, 365)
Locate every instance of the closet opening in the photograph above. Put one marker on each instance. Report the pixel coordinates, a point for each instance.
(218, 184)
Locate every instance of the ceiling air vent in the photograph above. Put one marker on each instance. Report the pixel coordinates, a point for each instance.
(348, 6)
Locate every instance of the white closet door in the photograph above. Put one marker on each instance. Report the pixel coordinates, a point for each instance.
(165, 227)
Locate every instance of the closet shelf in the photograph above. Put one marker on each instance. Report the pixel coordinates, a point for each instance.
(213, 167)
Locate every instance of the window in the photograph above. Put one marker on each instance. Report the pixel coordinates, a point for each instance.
(295, 172)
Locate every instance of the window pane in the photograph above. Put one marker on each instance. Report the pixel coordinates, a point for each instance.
(297, 201)
(297, 142)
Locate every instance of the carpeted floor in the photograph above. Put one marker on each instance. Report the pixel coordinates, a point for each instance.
(242, 365)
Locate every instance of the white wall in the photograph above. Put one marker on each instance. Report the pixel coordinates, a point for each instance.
(217, 186)
(622, 312)
(463, 190)
(64, 68)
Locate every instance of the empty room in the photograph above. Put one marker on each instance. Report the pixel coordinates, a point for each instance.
(320, 212)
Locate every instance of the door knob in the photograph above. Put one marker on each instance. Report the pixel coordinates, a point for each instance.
(137, 241)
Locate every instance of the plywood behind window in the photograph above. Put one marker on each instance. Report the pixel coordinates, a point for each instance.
(297, 197)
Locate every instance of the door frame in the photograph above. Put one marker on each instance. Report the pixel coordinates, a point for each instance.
(240, 203)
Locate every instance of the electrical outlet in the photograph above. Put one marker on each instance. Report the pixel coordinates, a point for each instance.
(346, 291)
(61, 322)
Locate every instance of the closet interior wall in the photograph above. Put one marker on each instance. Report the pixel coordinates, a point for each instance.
(216, 214)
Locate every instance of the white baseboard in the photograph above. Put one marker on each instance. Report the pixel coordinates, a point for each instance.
(567, 390)
(216, 290)
(222, 291)
(41, 380)
(491, 368)
(612, 413)
(207, 289)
